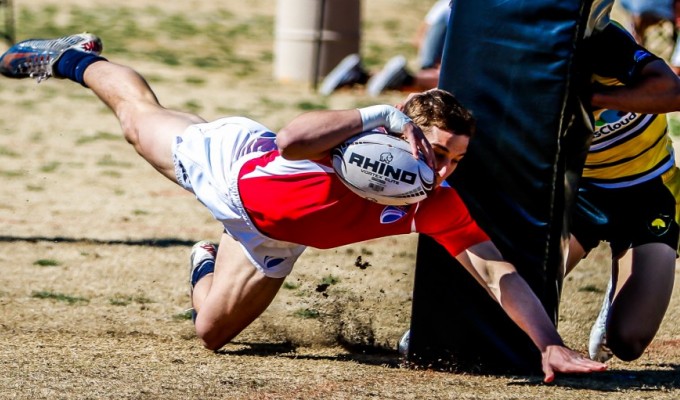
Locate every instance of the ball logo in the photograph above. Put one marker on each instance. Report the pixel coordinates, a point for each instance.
(382, 168)
(386, 158)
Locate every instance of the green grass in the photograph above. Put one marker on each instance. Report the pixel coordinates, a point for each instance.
(290, 285)
(183, 316)
(127, 300)
(159, 38)
(330, 280)
(307, 313)
(99, 136)
(59, 297)
(674, 125)
(6, 152)
(50, 167)
(590, 289)
(14, 173)
(108, 161)
(46, 262)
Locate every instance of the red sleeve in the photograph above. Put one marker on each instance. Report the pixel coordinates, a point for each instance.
(445, 218)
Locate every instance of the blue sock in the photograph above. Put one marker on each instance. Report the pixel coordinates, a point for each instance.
(73, 63)
(207, 267)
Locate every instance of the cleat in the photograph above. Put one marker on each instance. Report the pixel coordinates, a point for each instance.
(348, 72)
(393, 76)
(597, 345)
(201, 253)
(35, 58)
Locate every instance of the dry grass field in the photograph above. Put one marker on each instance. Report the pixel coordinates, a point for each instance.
(94, 244)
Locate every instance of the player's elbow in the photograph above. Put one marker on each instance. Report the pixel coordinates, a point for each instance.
(289, 146)
(494, 273)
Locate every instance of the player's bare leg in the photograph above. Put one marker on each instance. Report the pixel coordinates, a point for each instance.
(641, 301)
(232, 297)
(148, 126)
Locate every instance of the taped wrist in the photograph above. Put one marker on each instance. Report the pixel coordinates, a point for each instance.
(383, 115)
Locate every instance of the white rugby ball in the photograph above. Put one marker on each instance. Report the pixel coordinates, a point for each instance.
(380, 168)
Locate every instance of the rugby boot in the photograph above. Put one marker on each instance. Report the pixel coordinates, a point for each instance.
(36, 58)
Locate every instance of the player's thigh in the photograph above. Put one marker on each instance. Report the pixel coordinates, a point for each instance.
(575, 254)
(238, 295)
(641, 303)
(154, 133)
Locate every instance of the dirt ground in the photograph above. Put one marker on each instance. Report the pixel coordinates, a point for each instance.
(94, 244)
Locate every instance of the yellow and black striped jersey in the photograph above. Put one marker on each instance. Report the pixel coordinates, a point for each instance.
(627, 148)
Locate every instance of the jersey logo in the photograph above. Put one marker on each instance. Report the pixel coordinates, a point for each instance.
(271, 262)
(392, 214)
(611, 121)
(660, 224)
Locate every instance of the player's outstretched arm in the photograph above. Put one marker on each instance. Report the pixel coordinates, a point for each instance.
(512, 292)
(310, 136)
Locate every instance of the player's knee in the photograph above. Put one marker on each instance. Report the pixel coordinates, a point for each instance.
(627, 348)
(130, 131)
(212, 336)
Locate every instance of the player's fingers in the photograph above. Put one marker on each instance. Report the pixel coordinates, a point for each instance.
(429, 155)
(548, 373)
(590, 365)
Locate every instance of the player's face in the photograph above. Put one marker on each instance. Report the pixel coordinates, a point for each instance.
(449, 149)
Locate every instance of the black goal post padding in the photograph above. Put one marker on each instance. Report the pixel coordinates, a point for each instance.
(515, 65)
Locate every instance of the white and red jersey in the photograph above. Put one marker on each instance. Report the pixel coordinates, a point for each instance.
(276, 207)
(304, 202)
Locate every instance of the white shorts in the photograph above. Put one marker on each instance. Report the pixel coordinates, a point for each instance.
(207, 161)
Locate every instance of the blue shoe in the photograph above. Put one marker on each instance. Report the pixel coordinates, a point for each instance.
(394, 75)
(201, 263)
(35, 58)
(347, 72)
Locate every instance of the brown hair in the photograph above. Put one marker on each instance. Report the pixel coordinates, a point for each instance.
(439, 108)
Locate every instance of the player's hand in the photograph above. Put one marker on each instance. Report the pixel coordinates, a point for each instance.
(419, 143)
(557, 358)
(417, 137)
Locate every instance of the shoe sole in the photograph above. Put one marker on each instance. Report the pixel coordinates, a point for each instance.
(380, 82)
(334, 78)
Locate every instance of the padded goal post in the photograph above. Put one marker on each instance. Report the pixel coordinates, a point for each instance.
(515, 65)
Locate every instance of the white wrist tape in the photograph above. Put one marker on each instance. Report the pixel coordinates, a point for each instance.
(383, 115)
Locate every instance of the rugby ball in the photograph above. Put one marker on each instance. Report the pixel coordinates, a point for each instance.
(380, 168)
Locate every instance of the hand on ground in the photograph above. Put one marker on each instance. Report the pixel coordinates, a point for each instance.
(564, 360)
